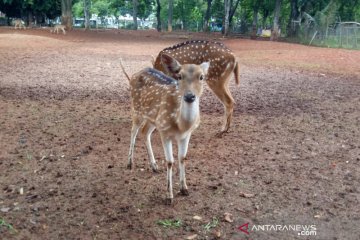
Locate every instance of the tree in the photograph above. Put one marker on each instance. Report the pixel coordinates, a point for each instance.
(207, 16)
(255, 20)
(276, 30)
(66, 13)
(233, 9)
(170, 15)
(294, 15)
(135, 10)
(158, 18)
(87, 14)
(226, 18)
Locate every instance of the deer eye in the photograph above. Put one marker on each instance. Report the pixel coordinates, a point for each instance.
(201, 77)
(179, 77)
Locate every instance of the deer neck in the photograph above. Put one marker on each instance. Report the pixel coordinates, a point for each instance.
(188, 114)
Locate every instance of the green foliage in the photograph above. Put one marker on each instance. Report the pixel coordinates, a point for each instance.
(101, 8)
(3, 223)
(212, 224)
(78, 9)
(170, 223)
(326, 16)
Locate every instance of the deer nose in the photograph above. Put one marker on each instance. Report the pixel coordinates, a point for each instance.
(189, 97)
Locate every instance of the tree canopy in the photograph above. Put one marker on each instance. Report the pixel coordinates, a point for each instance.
(244, 15)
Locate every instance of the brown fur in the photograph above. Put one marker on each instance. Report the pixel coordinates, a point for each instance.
(222, 64)
(171, 106)
(19, 23)
(58, 27)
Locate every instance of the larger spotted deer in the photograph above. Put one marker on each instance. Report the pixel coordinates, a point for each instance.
(170, 106)
(222, 64)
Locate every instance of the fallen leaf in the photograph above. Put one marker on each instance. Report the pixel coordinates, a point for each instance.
(191, 237)
(197, 217)
(247, 195)
(228, 217)
(21, 191)
(5, 209)
(217, 233)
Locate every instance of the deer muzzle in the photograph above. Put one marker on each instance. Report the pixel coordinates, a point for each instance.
(189, 97)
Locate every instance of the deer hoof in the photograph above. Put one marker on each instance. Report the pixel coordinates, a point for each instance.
(184, 192)
(129, 166)
(169, 201)
(221, 134)
(155, 168)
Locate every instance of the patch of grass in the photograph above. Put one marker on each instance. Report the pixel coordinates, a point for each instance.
(212, 224)
(6, 225)
(175, 223)
(28, 156)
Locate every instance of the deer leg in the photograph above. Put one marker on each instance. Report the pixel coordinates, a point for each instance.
(148, 130)
(167, 145)
(134, 132)
(221, 90)
(182, 150)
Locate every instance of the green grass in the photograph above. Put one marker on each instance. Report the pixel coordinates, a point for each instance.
(3, 223)
(174, 223)
(212, 224)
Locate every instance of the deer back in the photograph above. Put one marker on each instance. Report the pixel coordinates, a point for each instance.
(155, 97)
(221, 58)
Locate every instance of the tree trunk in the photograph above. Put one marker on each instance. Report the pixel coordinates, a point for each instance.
(265, 15)
(232, 10)
(294, 14)
(170, 15)
(275, 33)
(158, 18)
(66, 13)
(207, 16)
(30, 19)
(226, 18)
(254, 23)
(135, 9)
(87, 14)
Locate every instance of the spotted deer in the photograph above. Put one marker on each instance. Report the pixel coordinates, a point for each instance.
(58, 27)
(222, 64)
(169, 105)
(19, 23)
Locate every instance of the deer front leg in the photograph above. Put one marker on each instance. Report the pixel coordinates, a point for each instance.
(182, 150)
(134, 131)
(167, 145)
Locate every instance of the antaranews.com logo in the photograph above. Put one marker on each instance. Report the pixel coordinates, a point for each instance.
(301, 230)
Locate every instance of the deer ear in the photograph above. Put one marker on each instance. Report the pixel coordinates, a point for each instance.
(170, 64)
(205, 67)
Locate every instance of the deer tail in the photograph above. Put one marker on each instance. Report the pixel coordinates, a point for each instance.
(236, 73)
(123, 69)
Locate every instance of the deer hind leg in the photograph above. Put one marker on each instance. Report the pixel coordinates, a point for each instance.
(148, 130)
(182, 150)
(134, 131)
(221, 89)
(63, 31)
(167, 145)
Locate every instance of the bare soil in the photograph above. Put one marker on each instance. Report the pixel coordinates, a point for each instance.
(292, 156)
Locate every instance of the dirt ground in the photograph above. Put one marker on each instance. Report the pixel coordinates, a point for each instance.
(292, 156)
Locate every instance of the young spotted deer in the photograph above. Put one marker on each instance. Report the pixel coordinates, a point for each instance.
(222, 64)
(58, 27)
(170, 106)
(19, 23)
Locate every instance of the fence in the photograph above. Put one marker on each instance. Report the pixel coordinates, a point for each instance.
(341, 34)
